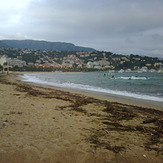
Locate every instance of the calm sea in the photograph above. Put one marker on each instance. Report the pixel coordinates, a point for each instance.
(148, 86)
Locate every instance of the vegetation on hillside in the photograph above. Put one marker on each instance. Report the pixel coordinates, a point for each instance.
(37, 60)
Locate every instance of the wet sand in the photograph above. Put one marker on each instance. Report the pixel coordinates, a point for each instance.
(39, 124)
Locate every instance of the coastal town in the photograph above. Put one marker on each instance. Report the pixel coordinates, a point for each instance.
(37, 60)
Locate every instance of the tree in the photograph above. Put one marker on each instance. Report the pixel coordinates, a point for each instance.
(1, 67)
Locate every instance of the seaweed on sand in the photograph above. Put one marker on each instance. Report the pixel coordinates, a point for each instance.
(117, 118)
(115, 114)
(119, 112)
(95, 140)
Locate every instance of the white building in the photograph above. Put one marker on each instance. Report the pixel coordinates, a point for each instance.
(121, 71)
(92, 64)
(144, 69)
(15, 62)
(3, 59)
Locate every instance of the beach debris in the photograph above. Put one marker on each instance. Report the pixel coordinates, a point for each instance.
(16, 94)
(14, 112)
(150, 120)
(6, 123)
(106, 130)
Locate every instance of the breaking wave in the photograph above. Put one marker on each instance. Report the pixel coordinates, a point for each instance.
(133, 78)
(33, 79)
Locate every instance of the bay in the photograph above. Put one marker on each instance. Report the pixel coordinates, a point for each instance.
(148, 86)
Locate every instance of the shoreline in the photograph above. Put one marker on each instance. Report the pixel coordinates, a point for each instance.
(42, 124)
(107, 96)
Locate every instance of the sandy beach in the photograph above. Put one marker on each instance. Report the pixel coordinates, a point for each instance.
(40, 124)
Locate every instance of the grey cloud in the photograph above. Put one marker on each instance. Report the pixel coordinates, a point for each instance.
(124, 26)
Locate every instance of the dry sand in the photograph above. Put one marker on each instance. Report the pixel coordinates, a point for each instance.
(39, 124)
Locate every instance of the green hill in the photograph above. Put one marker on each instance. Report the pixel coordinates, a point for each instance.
(43, 45)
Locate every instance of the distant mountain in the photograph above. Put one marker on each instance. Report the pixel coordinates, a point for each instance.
(43, 45)
(3, 45)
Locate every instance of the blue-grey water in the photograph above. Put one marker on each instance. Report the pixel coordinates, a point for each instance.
(148, 86)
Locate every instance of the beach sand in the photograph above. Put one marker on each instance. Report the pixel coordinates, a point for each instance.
(39, 124)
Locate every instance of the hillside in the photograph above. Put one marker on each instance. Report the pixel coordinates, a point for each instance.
(3, 45)
(43, 45)
(37, 60)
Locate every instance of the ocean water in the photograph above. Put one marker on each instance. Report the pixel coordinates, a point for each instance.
(147, 86)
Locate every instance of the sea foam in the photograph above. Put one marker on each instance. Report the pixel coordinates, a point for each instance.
(34, 79)
(133, 78)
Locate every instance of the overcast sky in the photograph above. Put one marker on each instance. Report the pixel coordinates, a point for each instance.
(119, 26)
